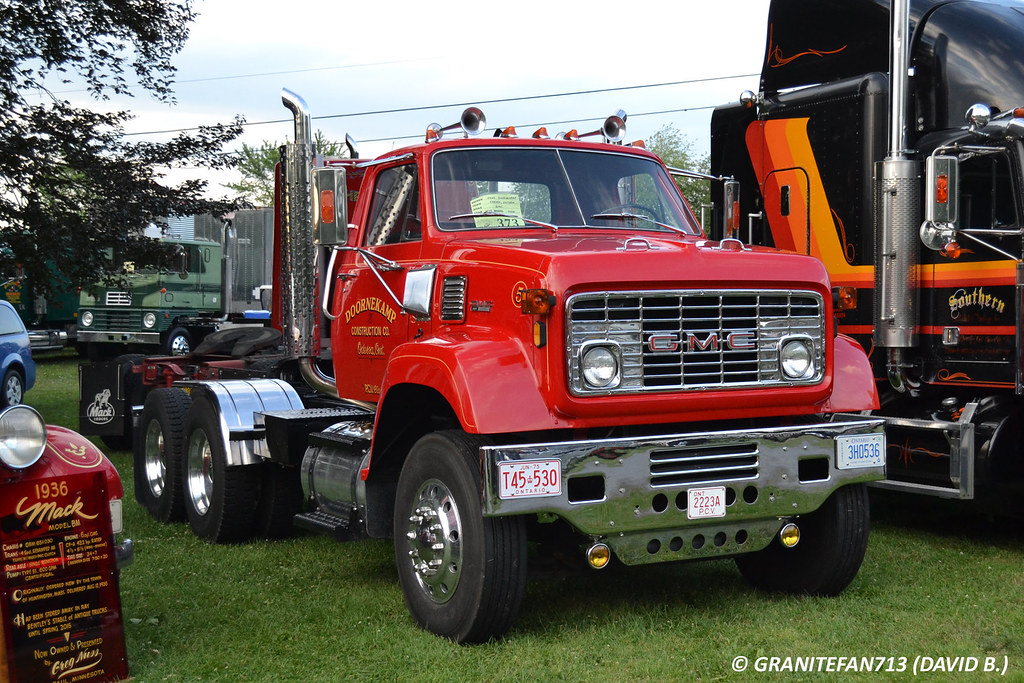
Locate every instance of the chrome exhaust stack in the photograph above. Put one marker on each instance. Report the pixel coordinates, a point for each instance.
(300, 257)
(897, 189)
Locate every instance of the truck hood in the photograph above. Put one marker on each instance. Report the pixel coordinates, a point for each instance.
(574, 260)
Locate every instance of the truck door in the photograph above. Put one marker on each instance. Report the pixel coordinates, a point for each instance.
(370, 321)
(969, 316)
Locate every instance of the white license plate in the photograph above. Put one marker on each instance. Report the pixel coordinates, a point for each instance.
(861, 450)
(705, 503)
(529, 478)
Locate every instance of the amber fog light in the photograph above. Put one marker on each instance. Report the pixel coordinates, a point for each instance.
(789, 536)
(599, 555)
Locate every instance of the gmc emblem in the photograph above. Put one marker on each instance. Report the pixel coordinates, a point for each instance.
(669, 343)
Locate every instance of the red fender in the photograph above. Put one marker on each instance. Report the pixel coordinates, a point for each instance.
(853, 382)
(488, 380)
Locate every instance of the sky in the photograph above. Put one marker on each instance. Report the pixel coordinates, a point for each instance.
(347, 59)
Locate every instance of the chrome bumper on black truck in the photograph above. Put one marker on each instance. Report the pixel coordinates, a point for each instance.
(685, 496)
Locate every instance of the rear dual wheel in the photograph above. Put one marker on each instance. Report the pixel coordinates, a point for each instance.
(158, 454)
(220, 501)
(228, 504)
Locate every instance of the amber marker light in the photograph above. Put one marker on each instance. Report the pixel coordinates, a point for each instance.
(541, 133)
(789, 536)
(537, 301)
(951, 250)
(844, 298)
(540, 334)
(599, 555)
(942, 189)
(1018, 113)
(326, 206)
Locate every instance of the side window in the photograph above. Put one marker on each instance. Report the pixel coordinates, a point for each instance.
(395, 211)
(10, 323)
(986, 193)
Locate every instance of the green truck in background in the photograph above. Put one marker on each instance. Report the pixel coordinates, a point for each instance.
(219, 274)
(50, 321)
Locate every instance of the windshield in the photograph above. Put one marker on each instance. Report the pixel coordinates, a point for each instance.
(536, 187)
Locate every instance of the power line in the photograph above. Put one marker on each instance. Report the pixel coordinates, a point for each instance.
(561, 123)
(519, 125)
(466, 104)
(271, 73)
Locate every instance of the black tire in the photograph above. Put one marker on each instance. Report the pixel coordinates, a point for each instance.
(12, 391)
(473, 591)
(159, 454)
(280, 500)
(220, 501)
(178, 342)
(134, 394)
(833, 540)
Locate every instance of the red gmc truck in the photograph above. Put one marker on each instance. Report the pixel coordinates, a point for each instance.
(529, 339)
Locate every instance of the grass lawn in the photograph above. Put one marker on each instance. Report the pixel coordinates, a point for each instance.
(938, 582)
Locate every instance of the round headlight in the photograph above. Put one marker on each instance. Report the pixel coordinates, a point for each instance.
(797, 359)
(600, 367)
(149, 320)
(22, 436)
(86, 318)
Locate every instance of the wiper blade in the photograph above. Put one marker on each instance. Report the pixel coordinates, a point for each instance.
(639, 217)
(498, 214)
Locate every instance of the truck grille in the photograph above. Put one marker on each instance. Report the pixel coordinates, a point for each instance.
(116, 320)
(119, 299)
(685, 340)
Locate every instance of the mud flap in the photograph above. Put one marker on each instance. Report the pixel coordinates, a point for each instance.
(102, 406)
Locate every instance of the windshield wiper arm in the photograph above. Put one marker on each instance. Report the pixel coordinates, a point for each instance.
(641, 217)
(499, 214)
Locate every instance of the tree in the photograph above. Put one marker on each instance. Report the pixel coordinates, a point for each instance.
(256, 164)
(676, 150)
(71, 186)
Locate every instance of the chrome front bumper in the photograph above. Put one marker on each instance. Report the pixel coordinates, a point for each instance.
(632, 492)
(118, 336)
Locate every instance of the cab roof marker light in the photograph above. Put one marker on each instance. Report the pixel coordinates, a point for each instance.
(541, 134)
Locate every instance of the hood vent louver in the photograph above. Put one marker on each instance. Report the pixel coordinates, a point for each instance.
(453, 299)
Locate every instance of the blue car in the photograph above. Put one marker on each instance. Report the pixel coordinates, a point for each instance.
(16, 365)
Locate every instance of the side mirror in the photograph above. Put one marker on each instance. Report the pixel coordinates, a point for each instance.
(941, 203)
(330, 206)
(730, 226)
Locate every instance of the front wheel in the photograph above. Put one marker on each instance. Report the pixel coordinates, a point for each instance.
(13, 388)
(220, 501)
(178, 342)
(833, 540)
(462, 575)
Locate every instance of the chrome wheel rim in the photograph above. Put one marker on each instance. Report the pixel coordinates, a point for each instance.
(180, 346)
(435, 541)
(200, 472)
(155, 463)
(12, 392)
